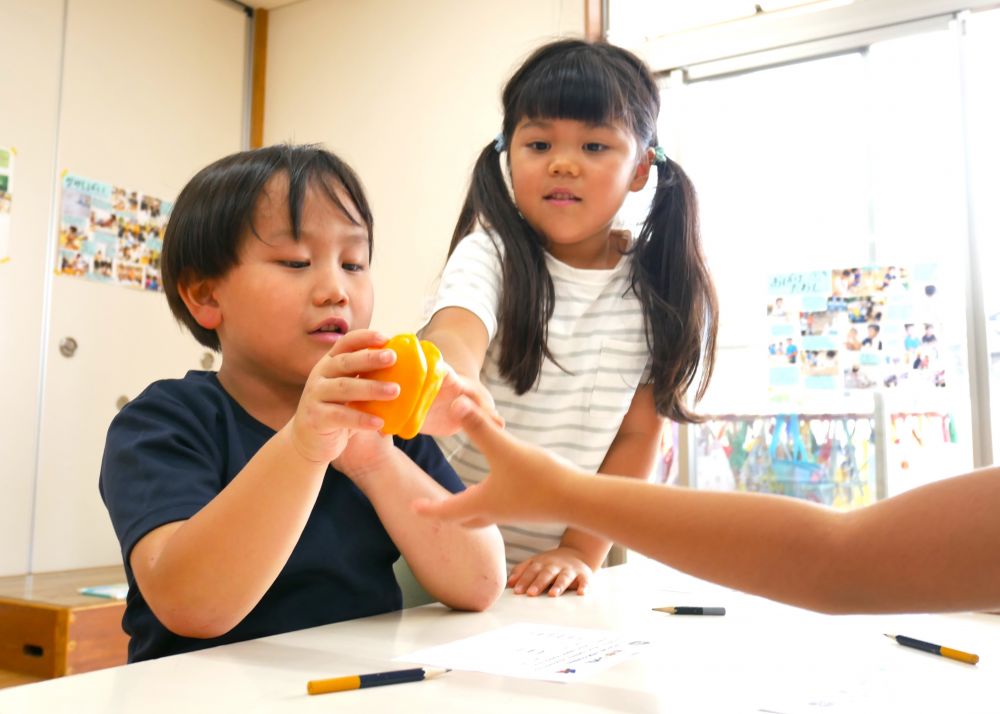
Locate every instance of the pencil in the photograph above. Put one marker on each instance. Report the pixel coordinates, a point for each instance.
(935, 649)
(682, 610)
(376, 679)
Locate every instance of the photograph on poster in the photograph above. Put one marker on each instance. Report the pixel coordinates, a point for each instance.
(854, 328)
(110, 234)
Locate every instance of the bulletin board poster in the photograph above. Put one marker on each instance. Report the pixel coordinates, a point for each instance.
(110, 234)
(6, 200)
(855, 328)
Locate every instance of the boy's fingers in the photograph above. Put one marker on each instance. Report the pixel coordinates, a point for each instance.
(357, 340)
(346, 390)
(356, 362)
(327, 418)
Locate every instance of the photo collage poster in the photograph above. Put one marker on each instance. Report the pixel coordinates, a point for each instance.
(110, 234)
(855, 328)
(6, 200)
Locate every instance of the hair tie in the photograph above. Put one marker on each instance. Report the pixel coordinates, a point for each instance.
(660, 154)
(500, 143)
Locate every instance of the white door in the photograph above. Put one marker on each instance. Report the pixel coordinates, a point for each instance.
(151, 93)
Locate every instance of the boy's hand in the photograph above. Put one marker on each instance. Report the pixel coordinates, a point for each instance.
(440, 421)
(323, 423)
(365, 453)
(523, 484)
(556, 570)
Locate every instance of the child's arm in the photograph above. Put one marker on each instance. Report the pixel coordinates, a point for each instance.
(463, 340)
(632, 454)
(203, 575)
(930, 549)
(462, 568)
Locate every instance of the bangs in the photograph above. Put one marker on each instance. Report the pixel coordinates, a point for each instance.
(576, 86)
(319, 170)
(310, 166)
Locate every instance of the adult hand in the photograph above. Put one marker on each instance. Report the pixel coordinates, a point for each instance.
(523, 484)
(441, 421)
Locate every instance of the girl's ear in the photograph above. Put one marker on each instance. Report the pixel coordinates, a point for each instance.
(199, 296)
(642, 171)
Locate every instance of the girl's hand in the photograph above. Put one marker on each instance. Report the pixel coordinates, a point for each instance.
(524, 483)
(440, 421)
(323, 424)
(555, 570)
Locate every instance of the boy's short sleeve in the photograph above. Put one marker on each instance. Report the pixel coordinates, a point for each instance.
(162, 463)
(471, 280)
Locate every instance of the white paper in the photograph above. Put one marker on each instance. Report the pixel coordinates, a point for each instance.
(557, 654)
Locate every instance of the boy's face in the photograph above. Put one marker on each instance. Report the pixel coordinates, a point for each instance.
(286, 302)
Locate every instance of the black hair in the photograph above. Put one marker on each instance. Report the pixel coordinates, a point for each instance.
(213, 214)
(598, 83)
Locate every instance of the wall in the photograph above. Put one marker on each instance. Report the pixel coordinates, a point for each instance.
(140, 94)
(407, 93)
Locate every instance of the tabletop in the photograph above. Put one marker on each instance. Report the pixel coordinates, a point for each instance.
(760, 657)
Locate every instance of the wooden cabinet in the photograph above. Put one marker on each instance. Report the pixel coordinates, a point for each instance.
(47, 629)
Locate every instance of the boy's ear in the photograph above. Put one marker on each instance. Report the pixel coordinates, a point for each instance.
(642, 171)
(198, 295)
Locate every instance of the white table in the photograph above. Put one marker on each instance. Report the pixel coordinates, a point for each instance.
(760, 657)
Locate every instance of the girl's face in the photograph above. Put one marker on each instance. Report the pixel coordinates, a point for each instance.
(570, 179)
(286, 302)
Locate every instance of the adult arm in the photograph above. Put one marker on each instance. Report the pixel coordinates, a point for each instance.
(632, 454)
(930, 549)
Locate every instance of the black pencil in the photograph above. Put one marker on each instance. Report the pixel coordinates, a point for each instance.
(685, 610)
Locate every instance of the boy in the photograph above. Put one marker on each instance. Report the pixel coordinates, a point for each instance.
(253, 501)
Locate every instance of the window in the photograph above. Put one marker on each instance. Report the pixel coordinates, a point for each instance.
(886, 155)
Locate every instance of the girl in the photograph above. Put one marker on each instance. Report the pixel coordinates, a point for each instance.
(582, 337)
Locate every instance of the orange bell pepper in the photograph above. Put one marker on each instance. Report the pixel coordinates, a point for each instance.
(419, 371)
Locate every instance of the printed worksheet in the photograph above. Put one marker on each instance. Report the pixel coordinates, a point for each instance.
(548, 652)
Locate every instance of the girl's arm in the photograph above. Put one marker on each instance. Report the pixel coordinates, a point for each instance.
(930, 549)
(632, 454)
(462, 568)
(463, 340)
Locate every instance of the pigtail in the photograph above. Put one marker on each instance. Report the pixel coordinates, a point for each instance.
(527, 297)
(671, 278)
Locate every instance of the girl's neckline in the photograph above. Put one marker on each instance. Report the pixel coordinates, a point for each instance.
(591, 275)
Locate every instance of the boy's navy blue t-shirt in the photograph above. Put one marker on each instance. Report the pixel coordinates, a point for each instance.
(173, 448)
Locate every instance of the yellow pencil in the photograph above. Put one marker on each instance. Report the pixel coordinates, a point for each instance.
(935, 649)
(376, 679)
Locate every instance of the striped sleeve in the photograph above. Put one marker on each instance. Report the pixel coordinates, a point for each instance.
(471, 280)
